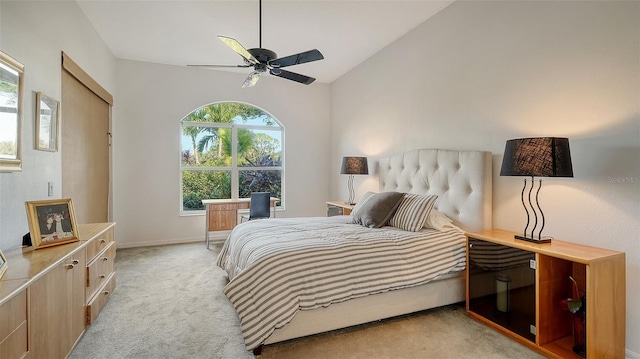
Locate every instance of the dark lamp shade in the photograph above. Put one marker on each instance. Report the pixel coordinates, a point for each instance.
(537, 157)
(354, 166)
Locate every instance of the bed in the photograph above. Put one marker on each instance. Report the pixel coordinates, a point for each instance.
(255, 253)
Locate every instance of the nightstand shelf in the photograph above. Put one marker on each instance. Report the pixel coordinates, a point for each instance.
(524, 282)
(339, 208)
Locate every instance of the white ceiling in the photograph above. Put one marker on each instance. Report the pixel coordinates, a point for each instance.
(182, 32)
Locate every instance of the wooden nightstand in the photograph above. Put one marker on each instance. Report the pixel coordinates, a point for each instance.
(516, 287)
(339, 208)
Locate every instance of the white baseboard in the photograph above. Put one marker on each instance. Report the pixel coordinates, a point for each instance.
(632, 355)
(157, 243)
(214, 238)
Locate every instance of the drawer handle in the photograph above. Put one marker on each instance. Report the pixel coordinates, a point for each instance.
(69, 266)
(75, 261)
(106, 292)
(102, 241)
(102, 276)
(105, 258)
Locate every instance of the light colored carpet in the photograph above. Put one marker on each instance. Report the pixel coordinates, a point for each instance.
(169, 304)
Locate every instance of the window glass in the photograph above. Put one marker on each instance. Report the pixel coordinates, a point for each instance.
(259, 148)
(260, 181)
(201, 146)
(229, 150)
(8, 112)
(199, 185)
(10, 82)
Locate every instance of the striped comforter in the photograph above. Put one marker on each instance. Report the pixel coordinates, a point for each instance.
(279, 266)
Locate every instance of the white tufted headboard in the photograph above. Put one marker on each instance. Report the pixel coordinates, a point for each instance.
(461, 179)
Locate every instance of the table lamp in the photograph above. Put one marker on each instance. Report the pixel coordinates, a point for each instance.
(353, 166)
(536, 157)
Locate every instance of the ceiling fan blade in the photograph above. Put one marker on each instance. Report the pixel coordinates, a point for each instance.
(239, 49)
(301, 58)
(292, 76)
(252, 79)
(218, 66)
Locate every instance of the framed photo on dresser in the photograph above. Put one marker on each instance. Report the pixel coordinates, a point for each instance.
(52, 222)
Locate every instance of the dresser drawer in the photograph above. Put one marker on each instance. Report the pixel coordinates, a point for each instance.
(100, 243)
(13, 327)
(95, 305)
(99, 270)
(15, 345)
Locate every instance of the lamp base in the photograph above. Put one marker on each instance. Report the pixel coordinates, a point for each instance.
(533, 240)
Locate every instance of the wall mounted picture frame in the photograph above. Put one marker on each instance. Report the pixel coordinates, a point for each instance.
(11, 100)
(3, 264)
(52, 222)
(47, 123)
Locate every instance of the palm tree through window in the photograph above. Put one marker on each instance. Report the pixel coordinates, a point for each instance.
(229, 150)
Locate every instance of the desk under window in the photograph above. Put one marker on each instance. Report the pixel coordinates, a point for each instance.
(222, 214)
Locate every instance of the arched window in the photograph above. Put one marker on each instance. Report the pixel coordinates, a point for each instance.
(229, 150)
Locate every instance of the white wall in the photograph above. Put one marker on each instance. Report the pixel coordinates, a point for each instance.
(154, 98)
(35, 33)
(480, 73)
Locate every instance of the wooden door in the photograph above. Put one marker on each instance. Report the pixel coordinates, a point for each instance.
(85, 150)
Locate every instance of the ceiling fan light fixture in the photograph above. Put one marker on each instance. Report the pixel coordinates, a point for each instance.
(252, 79)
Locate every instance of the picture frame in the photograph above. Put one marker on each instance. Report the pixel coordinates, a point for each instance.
(52, 222)
(3, 264)
(11, 98)
(47, 123)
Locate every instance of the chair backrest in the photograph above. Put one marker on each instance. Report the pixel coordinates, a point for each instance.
(260, 205)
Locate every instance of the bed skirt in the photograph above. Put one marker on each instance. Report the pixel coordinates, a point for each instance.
(437, 293)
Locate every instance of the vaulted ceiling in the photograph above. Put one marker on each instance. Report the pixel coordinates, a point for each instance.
(183, 32)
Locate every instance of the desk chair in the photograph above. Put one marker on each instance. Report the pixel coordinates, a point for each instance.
(260, 207)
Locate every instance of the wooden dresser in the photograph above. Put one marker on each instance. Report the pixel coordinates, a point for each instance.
(101, 275)
(49, 296)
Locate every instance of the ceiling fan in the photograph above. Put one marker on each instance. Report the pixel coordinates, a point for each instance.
(263, 60)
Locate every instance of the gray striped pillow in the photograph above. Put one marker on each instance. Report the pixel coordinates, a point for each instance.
(413, 211)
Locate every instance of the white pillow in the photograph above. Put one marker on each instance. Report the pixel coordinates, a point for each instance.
(413, 211)
(437, 220)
